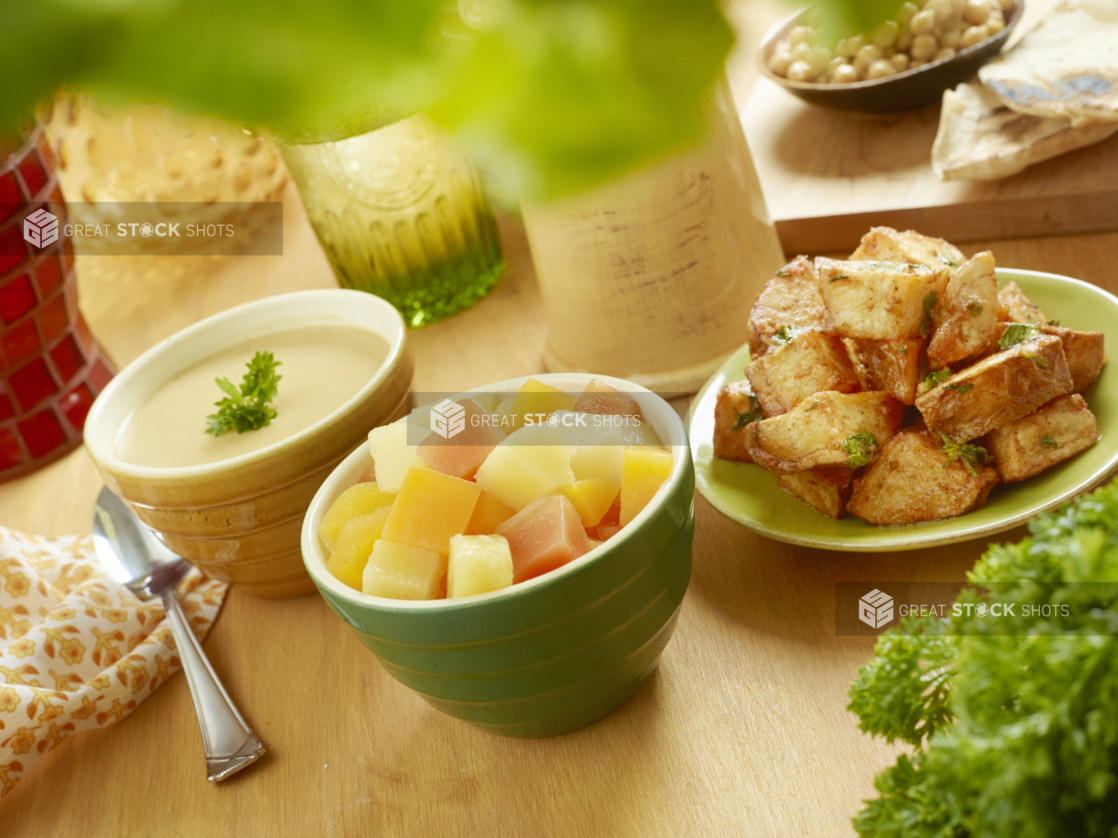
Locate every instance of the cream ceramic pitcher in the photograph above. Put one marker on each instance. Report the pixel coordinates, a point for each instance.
(651, 277)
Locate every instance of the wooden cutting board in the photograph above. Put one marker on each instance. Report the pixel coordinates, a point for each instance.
(828, 177)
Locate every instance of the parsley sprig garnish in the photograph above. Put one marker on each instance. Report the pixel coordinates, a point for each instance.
(934, 377)
(930, 300)
(786, 334)
(247, 408)
(1049, 442)
(860, 447)
(969, 455)
(753, 414)
(1016, 333)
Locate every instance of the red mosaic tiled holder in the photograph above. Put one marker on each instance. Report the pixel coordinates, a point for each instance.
(51, 368)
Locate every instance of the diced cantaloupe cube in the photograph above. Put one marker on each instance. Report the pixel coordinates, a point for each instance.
(536, 401)
(478, 564)
(403, 571)
(592, 498)
(489, 513)
(359, 499)
(392, 454)
(643, 471)
(460, 454)
(599, 397)
(354, 544)
(532, 463)
(431, 507)
(544, 536)
(597, 441)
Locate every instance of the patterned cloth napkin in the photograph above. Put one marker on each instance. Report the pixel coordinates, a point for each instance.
(78, 651)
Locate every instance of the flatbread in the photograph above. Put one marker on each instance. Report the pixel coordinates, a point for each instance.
(1065, 68)
(979, 138)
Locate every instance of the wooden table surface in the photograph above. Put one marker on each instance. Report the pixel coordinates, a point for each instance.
(742, 731)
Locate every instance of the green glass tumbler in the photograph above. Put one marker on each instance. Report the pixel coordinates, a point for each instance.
(401, 213)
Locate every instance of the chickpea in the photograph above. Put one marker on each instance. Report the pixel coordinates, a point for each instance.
(900, 62)
(835, 63)
(915, 64)
(780, 60)
(957, 7)
(941, 9)
(818, 59)
(974, 35)
(886, 34)
(995, 23)
(799, 35)
(852, 45)
(904, 40)
(951, 38)
(946, 52)
(924, 47)
(923, 23)
(905, 15)
(799, 71)
(844, 74)
(1006, 5)
(801, 52)
(976, 12)
(880, 69)
(866, 56)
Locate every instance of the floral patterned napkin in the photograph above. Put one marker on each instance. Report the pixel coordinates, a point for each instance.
(78, 651)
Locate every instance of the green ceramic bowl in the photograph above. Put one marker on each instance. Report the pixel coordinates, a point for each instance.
(552, 654)
(750, 495)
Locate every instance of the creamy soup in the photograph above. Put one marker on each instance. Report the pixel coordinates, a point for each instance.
(323, 366)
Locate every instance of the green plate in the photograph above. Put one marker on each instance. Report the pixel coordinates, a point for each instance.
(749, 495)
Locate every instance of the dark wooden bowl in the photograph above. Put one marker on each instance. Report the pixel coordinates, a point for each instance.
(905, 91)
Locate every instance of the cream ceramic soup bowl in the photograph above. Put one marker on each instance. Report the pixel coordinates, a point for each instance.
(239, 519)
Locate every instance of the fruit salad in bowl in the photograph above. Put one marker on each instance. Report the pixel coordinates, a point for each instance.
(518, 554)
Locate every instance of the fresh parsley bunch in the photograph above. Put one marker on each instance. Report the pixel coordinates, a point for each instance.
(1017, 715)
(247, 408)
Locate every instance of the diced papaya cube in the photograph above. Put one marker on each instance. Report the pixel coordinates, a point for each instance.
(643, 470)
(600, 398)
(460, 454)
(431, 507)
(354, 544)
(592, 498)
(536, 401)
(403, 571)
(607, 531)
(546, 535)
(478, 564)
(488, 515)
(359, 499)
(532, 463)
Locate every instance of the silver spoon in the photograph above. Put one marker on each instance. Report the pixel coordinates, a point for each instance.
(128, 550)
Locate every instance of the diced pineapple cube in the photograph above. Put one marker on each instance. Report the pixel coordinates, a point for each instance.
(403, 571)
(354, 544)
(489, 514)
(478, 564)
(392, 455)
(532, 463)
(461, 454)
(592, 498)
(359, 499)
(599, 397)
(643, 471)
(431, 507)
(607, 531)
(544, 536)
(536, 401)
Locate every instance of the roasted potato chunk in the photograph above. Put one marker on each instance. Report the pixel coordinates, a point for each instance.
(997, 390)
(880, 300)
(1085, 355)
(790, 299)
(735, 408)
(1056, 432)
(965, 318)
(912, 481)
(884, 244)
(892, 366)
(1015, 307)
(811, 362)
(814, 431)
(825, 489)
